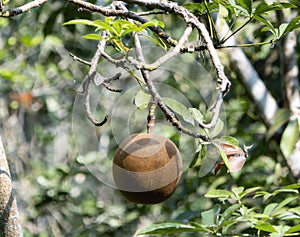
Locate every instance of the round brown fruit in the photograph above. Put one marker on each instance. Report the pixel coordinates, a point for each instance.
(147, 168)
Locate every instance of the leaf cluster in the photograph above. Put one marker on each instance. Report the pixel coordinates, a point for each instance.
(238, 213)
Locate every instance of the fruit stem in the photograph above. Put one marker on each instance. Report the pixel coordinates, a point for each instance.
(151, 117)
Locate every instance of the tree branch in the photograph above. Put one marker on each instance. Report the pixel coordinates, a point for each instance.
(172, 53)
(25, 8)
(193, 20)
(91, 75)
(157, 98)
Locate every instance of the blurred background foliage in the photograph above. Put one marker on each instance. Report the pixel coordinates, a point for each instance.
(57, 194)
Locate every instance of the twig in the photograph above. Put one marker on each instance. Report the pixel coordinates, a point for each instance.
(216, 108)
(113, 78)
(25, 8)
(172, 53)
(87, 103)
(116, 61)
(92, 73)
(108, 80)
(151, 13)
(236, 31)
(80, 59)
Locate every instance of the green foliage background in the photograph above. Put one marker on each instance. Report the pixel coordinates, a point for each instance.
(58, 195)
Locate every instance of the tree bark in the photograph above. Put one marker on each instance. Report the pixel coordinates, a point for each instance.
(10, 225)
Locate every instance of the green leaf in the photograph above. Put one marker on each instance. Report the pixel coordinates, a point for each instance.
(142, 99)
(249, 190)
(264, 7)
(79, 22)
(265, 226)
(195, 6)
(198, 157)
(152, 23)
(285, 202)
(268, 24)
(168, 228)
(280, 118)
(293, 25)
(294, 229)
(93, 37)
(228, 4)
(238, 191)
(289, 138)
(218, 193)
(217, 129)
(293, 186)
(246, 4)
(197, 115)
(179, 108)
(227, 214)
(103, 26)
(269, 209)
(229, 140)
(209, 217)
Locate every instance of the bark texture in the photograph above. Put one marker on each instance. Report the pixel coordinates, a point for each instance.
(10, 225)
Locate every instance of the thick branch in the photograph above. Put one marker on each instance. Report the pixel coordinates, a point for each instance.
(25, 8)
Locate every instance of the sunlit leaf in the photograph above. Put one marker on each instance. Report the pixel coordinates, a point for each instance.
(80, 22)
(103, 26)
(294, 229)
(152, 23)
(249, 191)
(168, 228)
(218, 193)
(93, 37)
(269, 209)
(265, 226)
(293, 186)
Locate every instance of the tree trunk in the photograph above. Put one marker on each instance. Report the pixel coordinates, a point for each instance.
(10, 225)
